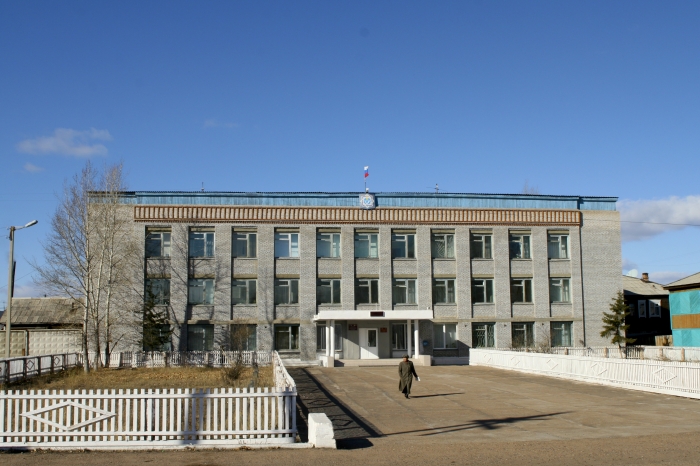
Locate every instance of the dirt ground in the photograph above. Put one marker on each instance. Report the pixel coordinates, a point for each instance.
(457, 415)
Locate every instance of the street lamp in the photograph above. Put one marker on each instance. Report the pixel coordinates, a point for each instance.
(8, 309)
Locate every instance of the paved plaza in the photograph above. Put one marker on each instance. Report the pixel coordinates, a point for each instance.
(458, 415)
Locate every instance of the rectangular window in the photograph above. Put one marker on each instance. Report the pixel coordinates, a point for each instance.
(157, 338)
(243, 292)
(561, 333)
(287, 291)
(321, 337)
(443, 246)
(328, 245)
(201, 244)
(654, 308)
(559, 290)
(444, 291)
(483, 335)
(328, 291)
(200, 291)
(558, 246)
(399, 337)
(366, 245)
(245, 244)
(404, 291)
(158, 290)
(482, 290)
(403, 246)
(444, 336)
(481, 246)
(200, 337)
(157, 243)
(523, 334)
(286, 337)
(520, 246)
(642, 308)
(367, 291)
(244, 337)
(521, 290)
(286, 244)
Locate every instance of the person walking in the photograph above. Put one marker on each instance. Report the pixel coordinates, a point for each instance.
(406, 374)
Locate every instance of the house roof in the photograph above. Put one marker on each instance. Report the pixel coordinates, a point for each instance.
(36, 311)
(637, 286)
(692, 281)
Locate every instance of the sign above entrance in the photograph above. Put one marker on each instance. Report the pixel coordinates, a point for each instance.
(376, 314)
(367, 201)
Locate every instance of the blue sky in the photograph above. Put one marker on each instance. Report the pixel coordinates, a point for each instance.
(590, 98)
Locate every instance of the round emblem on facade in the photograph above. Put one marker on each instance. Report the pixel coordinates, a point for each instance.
(367, 201)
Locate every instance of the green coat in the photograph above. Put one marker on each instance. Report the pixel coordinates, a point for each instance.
(406, 374)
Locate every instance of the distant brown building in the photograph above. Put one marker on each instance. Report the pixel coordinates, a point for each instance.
(46, 313)
(648, 302)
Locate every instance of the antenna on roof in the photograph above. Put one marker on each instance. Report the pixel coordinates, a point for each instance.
(202, 186)
(437, 188)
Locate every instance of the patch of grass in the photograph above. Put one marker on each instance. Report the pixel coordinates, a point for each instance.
(169, 377)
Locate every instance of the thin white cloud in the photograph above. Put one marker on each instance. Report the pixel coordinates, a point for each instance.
(213, 123)
(66, 141)
(666, 276)
(31, 168)
(645, 218)
(628, 264)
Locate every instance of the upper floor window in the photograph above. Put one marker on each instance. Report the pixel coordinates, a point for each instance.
(158, 291)
(245, 244)
(200, 291)
(367, 291)
(520, 245)
(481, 245)
(328, 245)
(403, 246)
(558, 246)
(201, 244)
(559, 290)
(367, 245)
(521, 290)
(443, 245)
(444, 291)
(157, 243)
(404, 291)
(287, 291)
(482, 290)
(243, 292)
(328, 291)
(286, 244)
(445, 336)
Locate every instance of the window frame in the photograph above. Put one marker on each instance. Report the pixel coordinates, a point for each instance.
(487, 246)
(165, 246)
(252, 337)
(251, 298)
(656, 305)
(565, 245)
(489, 329)
(293, 285)
(528, 331)
(443, 330)
(208, 335)
(566, 327)
(564, 289)
(291, 238)
(487, 284)
(641, 308)
(335, 286)
(445, 282)
(372, 246)
(251, 244)
(526, 284)
(367, 283)
(409, 244)
(208, 246)
(321, 337)
(444, 237)
(333, 245)
(293, 337)
(160, 299)
(404, 284)
(524, 244)
(205, 294)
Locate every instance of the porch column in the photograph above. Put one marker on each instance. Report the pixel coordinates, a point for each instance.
(415, 337)
(331, 343)
(328, 336)
(409, 339)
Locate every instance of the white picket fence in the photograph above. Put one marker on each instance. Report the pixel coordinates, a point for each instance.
(149, 418)
(659, 353)
(136, 359)
(671, 378)
(14, 369)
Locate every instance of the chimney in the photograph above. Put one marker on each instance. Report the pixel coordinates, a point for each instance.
(645, 277)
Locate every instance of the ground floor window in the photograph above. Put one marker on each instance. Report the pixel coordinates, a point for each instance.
(522, 334)
(244, 337)
(400, 336)
(483, 335)
(561, 333)
(321, 337)
(157, 337)
(445, 336)
(200, 338)
(286, 337)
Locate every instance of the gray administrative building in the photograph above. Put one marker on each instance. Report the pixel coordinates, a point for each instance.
(357, 276)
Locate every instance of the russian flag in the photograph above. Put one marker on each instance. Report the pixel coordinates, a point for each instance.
(366, 172)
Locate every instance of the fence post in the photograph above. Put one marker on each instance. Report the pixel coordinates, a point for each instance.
(605, 352)
(38, 365)
(682, 354)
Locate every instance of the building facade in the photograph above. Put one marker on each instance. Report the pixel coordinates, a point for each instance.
(649, 310)
(684, 301)
(377, 276)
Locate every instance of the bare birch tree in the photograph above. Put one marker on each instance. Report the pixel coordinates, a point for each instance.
(87, 252)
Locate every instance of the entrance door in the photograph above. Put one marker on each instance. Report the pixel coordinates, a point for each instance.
(369, 347)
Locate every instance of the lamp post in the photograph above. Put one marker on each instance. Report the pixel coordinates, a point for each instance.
(8, 309)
